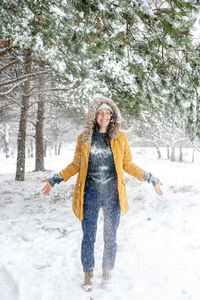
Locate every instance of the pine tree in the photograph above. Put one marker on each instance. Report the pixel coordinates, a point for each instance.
(140, 53)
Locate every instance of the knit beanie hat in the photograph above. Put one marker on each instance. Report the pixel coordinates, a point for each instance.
(104, 105)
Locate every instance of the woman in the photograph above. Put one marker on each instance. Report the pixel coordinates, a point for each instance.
(101, 155)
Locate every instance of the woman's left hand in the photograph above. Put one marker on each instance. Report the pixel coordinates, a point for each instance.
(158, 188)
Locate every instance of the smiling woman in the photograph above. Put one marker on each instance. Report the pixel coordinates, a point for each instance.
(103, 118)
(102, 155)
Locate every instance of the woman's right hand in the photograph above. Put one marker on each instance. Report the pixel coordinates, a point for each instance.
(46, 190)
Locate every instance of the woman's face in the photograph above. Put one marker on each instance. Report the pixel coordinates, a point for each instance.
(103, 119)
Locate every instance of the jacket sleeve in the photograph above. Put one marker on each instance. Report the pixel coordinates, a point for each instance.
(128, 166)
(73, 167)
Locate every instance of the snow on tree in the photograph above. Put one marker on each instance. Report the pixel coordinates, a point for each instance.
(141, 53)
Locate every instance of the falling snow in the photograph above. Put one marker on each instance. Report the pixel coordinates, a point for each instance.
(158, 239)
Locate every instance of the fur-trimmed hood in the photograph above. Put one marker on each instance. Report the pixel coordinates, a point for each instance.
(88, 131)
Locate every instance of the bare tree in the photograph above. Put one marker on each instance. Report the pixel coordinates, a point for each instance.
(20, 171)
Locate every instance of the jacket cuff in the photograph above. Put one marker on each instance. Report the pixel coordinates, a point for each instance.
(150, 179)
(55, 179)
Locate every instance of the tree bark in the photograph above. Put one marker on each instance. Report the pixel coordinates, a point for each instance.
(21, 141)
(39, 141)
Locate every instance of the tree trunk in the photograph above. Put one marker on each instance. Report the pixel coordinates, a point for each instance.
(39, 141)
(55, 149)
(158, 152)
(45, 148)
(29, 152)
(21, 141)
(193, 154)
(5, 137)
(173, 154)
(168, 152)
(6, 145)
(4, 132)
(180, 154)
(31, 148)
(59, 147)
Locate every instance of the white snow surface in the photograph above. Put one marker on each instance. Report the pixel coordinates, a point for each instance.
(158, 254)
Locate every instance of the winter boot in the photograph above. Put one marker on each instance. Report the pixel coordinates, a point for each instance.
(106, 279)
(87, 285)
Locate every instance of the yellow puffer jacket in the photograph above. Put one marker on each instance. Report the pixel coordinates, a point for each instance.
(123, 162)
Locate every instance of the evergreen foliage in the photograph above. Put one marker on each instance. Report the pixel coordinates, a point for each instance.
(140, 53)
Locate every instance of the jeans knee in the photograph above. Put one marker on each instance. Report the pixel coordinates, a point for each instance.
(89, 239)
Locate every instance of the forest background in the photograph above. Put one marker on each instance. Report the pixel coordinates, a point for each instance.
(55, 56)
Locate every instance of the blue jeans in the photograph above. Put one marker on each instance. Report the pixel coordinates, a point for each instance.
(109, 201)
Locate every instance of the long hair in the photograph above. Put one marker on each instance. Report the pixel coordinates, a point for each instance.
(108, 134)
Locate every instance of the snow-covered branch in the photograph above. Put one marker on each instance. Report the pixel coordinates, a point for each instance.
(10, 99)
(12, 88)
(8, 65)
(21, 78)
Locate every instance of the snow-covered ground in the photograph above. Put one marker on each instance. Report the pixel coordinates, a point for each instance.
(158, 253)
